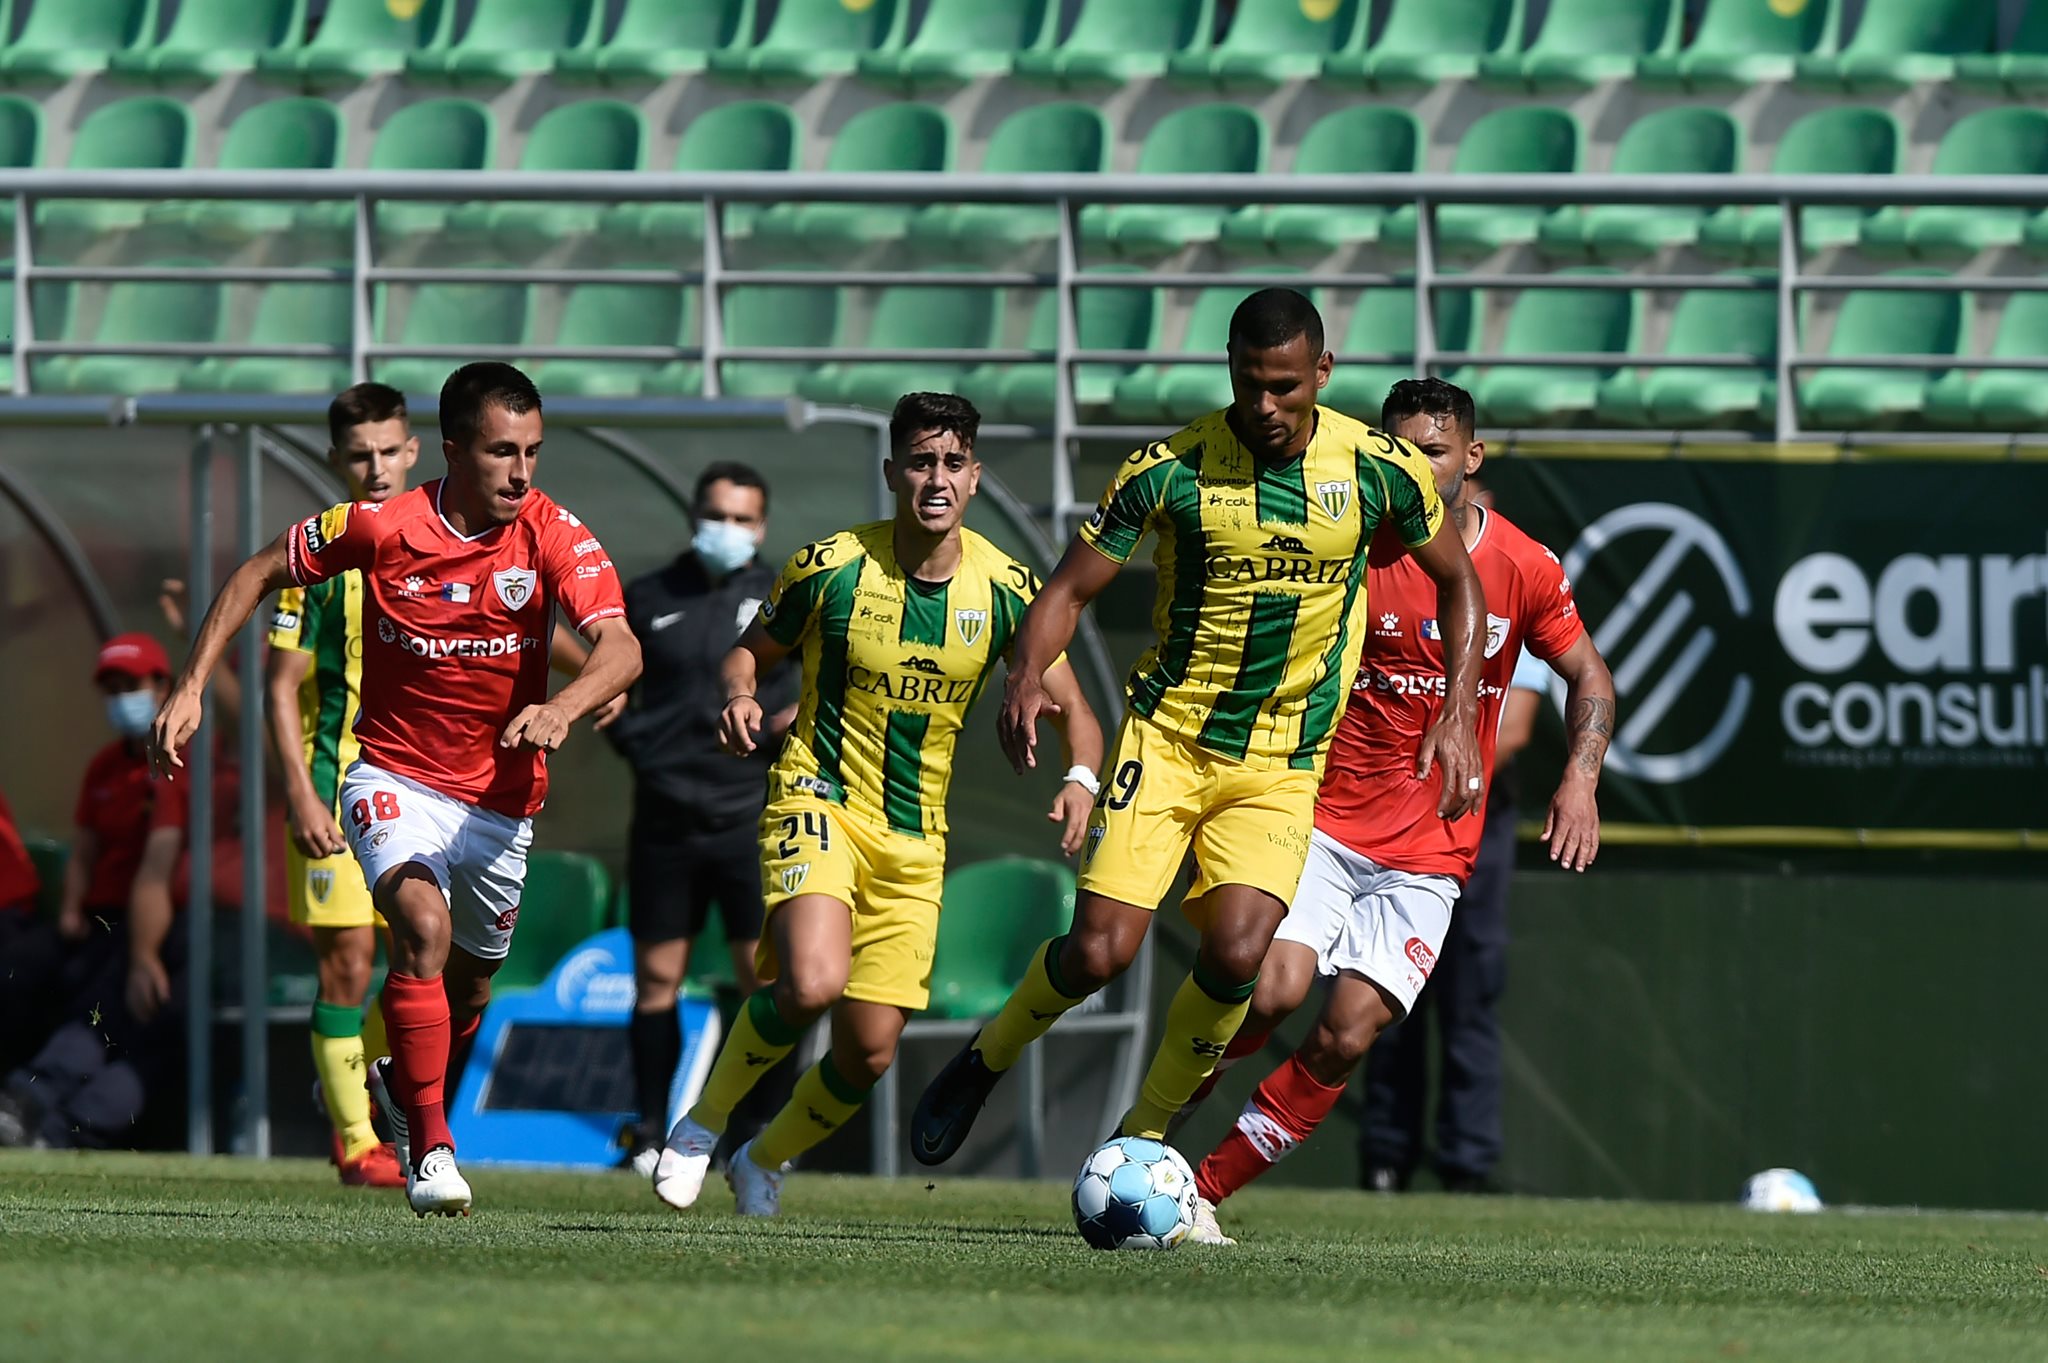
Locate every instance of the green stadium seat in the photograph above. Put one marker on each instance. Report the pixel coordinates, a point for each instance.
(1705, 322)
(286, 314)
(1525, 138)
(810, 39)
(447, 315)
(1273, 41)
(1426, 42)
(891, 137)
(1584, 42)
(1104, 319)
(2021, 69)
(139, 313)
(21, 148)
(657, 39)
(148, 133)
(357, 39)
(2012, 141)
(960, 40)
(1365, 139)
(747, 135)
(1044, 139)
(1558, 322)
(1899, 43)
(434, 134)
(48, 856)
(1383, 323)
(1177, 391)
(998, 914)
(1840, 141)
(1683, 141)
(1116, 41)
(922, 317)
(511, 38)
(64, 38)
(710, 969)
(616, 315)
(594, 134)
(765, 315)
(1741, 43)
(1202, 139)
(207, 41)
(1998, 400)
(281, 134)
(1882, 322)
(564, 902)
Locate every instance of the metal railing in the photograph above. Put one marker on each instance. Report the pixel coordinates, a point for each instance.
(1068, 194)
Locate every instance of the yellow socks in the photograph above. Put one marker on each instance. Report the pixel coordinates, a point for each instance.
(1199, 1024)
(823, 1101)
(759, 1038)
(1034, 1006)
(375, 1043)
(338, 1060)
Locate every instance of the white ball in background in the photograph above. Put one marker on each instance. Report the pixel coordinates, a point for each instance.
(1780, 1190)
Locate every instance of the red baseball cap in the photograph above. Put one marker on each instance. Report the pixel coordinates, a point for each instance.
(132, 655)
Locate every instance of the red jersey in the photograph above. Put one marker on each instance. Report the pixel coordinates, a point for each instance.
(456, 631)
(114, 804)
(18, 879)
(1370, 800)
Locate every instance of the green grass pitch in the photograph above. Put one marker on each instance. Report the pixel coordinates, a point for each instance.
(160, 1258)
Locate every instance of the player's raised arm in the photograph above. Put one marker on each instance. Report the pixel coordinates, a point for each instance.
(1452, 743)
(267, 571)
(1048, 627)
(1572, 826)
(757, 652)
(1078, 726)
(613, 665)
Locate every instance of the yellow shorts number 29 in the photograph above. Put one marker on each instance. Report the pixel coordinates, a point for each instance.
(891, 883)
(1162, 794)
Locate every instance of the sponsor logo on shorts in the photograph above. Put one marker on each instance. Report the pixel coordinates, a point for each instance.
(377, 838)
(812, 785)
(321, 884)
(285, 621)
(508, 919)
(1419, 952)
(1094, 841)
(793, 876)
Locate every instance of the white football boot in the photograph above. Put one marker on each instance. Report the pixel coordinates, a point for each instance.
(1205, 1231)
(437, 1186)
(685, 1159)
(376, 1079)
(758, 1191)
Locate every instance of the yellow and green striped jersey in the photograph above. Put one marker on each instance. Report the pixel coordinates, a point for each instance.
(326, 620)
(890, 667)
(1261, 600)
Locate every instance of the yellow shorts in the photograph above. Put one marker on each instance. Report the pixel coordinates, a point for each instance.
(890, 882)
(329, 893)
(1162, 794)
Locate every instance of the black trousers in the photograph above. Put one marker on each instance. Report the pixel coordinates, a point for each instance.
(1463, 996)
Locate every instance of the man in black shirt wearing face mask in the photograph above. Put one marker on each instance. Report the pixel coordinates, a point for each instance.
(692, 843)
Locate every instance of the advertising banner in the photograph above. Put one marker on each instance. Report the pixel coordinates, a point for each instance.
(1809, 646)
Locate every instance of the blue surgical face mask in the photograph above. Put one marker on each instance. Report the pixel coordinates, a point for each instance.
(723, 546)
(130, 712)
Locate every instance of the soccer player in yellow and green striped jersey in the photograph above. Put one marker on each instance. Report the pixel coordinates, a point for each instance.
(314, 675)
(899, 626)
(1263, 512)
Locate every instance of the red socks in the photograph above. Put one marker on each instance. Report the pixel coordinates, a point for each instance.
(1288, 1104)
(416, 1019)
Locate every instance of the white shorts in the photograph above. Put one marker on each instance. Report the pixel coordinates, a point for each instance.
(1359, 916)
(477, 856)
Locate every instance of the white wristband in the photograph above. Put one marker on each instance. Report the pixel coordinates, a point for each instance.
(1084, 778)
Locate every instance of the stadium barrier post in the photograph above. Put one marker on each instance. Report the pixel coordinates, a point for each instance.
(1425, 286)
(359, 293)
(1788, 321)
(1066, 341)
(711, 301)
(24, 317)
(199, 824)
(255, 1133)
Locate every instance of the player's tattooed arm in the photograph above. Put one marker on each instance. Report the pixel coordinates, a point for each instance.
(1572, 826)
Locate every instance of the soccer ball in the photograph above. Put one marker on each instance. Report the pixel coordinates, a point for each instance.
(1135, 1193)
(1780, 1190)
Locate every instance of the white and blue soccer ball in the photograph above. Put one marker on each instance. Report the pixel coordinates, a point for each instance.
(1135, 1193)
(1780, 1190)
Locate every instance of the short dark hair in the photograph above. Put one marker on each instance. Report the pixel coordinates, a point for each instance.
(487, 383)
(729, 471)
(364, 403)
(1428, 397)
(932, 412)
(1273, 317)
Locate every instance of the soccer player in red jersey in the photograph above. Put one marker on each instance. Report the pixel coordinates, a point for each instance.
(462, 577)
(1384, 870)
